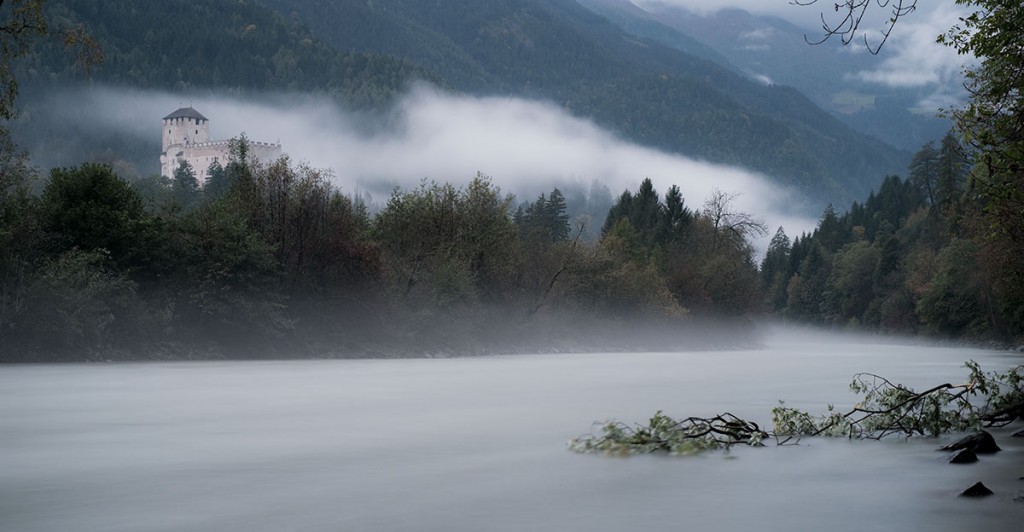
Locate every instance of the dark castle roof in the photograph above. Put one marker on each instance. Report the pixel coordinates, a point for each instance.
(186, 112)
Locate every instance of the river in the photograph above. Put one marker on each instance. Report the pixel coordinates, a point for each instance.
(477, 444)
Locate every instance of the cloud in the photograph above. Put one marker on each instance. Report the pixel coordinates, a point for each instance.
(525, 146)
(759, 34)
(912, 58)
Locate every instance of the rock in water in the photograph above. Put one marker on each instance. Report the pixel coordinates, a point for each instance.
(963, 456)
(980, 442)
(1018, 434)
(976, 490)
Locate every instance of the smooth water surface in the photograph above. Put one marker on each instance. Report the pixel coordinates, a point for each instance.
(475, 444)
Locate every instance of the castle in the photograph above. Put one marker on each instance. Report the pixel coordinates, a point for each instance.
(186, 137)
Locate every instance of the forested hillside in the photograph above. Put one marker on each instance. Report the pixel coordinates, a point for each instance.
(237, 47)
(648, 92)
(187, 48)
(773, 49)
(366, 54)
(915, 257)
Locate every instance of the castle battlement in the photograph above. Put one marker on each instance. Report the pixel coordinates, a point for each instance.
(227, 143)
(186, 135)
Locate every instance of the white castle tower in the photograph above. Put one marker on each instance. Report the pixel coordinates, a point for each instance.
(186, 137)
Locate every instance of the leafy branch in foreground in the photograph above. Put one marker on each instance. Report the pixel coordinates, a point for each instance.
(886, 408)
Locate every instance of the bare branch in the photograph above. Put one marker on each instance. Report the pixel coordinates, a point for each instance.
(570, 255)
(846, 24)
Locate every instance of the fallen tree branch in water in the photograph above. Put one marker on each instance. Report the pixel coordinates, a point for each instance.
(662, 433)
(886, 408)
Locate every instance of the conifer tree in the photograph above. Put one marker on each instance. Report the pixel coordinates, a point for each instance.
(556, 221)
(924, 171)
(951, 174)
(185, 185)
(675, 217)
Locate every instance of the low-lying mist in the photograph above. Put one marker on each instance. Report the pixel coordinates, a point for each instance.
(526, 147)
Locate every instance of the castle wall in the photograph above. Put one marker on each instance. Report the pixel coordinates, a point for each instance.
(201, 155)
(186, 137)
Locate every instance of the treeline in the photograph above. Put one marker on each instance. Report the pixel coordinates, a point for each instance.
(916, 257)
(273, 260)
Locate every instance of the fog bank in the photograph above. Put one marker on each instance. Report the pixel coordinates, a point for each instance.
(526, 147)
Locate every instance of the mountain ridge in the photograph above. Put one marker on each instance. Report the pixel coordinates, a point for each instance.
(554, 50)
(644, 90)
(764, 47)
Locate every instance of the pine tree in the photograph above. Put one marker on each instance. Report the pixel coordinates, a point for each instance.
(924, 171)
(556, 221)
(216, 181)
(675, 217)
(952, 172)
(185, 184)
(774, 270)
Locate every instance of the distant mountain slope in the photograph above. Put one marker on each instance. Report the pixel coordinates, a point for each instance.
(217, 44)
(186, 46)
(636, 21)
(646, 91)
(773, 49)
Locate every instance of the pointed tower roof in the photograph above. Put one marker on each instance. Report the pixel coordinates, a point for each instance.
(186, 112)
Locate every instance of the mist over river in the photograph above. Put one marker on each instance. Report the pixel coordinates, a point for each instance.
(477, 444)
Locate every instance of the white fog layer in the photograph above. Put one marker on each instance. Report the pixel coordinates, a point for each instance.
(526, 147)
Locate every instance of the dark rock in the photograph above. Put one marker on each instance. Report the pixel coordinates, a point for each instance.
(980, 442)
(1018, 434)
(963, 456)
(976, 490)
